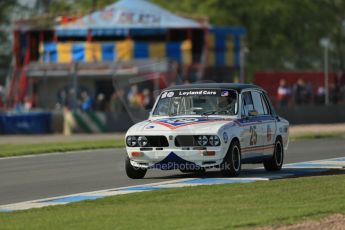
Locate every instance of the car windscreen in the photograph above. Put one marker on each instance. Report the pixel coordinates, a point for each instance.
(197, 102)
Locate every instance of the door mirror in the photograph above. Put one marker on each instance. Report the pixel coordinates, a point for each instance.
(253, 113)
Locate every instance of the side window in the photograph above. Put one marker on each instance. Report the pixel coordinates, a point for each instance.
(264, 103)
(247, 103)
(258, 103)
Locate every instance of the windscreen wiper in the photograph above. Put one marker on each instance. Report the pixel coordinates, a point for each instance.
(223, 111)
(209, 112)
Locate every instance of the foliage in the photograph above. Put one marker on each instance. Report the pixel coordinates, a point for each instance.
(5, 18)
(281, 34)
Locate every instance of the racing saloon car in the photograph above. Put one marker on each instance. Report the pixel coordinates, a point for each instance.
(198, 126)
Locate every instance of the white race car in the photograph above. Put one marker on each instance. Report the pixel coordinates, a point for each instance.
(198, 126)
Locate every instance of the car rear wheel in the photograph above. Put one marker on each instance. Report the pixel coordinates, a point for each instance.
(134, 172)
(276, 162)
(231, 166)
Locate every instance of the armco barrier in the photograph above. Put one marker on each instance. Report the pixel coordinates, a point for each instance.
(98, 122)
(311, 114)
(89, 122)
(120, 122)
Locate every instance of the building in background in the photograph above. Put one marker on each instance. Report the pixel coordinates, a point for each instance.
(125, 40)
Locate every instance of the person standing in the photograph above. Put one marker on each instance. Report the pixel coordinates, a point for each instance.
(283, 93)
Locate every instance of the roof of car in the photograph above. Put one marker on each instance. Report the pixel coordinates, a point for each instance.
(235, 86)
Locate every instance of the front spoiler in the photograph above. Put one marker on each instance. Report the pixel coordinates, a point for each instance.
(173, 161)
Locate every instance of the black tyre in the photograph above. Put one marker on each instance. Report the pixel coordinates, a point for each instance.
(276, 162)
(134, 172)
(231, 166)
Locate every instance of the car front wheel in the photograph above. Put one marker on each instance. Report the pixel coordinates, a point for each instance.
(231, 166)
(276, 162)
(134, 172)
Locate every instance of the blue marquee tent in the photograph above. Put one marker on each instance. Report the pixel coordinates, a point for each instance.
(124, 17)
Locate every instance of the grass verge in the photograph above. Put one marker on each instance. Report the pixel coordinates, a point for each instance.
(7, 150)
(204, 207)
(311, 136)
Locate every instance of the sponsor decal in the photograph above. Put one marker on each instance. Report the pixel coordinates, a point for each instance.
(170, 94)
(224, 93)
(198, 92)
(174, 123)
(269, 133)
(181, 120)
(253, 135)
(225, 137)
(286, 129)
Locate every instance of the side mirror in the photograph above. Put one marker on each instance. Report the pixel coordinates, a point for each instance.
(253, 113)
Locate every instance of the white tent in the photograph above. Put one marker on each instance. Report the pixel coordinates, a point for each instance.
(126, 15)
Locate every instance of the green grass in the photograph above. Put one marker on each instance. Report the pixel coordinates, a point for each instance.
(311, 136)
(225, 206)
(7, 150)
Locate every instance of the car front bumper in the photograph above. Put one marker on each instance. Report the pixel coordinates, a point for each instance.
(176, 158)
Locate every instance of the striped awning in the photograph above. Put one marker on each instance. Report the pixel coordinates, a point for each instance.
(66, 52)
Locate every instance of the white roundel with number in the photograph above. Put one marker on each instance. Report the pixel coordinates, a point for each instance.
(182, 120)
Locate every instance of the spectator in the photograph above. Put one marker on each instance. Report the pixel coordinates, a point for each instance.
(283, 93)
(320, 96)
(70, 103)
(86, 102)
(336, 90)
(300, 92)
(147, 99)
(62, 99)
(116, 104)
(133, 97)
(100, 104)
(27, 103)
(308, 93)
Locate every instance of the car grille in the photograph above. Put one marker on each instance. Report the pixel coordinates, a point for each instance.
(185, 141)
(157, 141)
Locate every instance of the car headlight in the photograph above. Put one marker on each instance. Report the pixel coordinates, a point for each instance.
(214, 140)
(131, 141)
(142, 141)
(202, 140)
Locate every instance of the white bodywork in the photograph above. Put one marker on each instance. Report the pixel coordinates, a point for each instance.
(256, 135)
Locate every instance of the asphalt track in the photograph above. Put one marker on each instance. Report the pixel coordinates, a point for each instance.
(44, 176)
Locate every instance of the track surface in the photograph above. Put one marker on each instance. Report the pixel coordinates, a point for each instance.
(37, 177)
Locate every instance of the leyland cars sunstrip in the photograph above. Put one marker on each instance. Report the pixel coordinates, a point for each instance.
(199, 126)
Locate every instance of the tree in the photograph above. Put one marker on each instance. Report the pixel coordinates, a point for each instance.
(5, 46)
(281, 34)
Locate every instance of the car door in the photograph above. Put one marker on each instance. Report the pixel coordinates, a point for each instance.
(261, 126)
(270, 126)
(251, 129)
